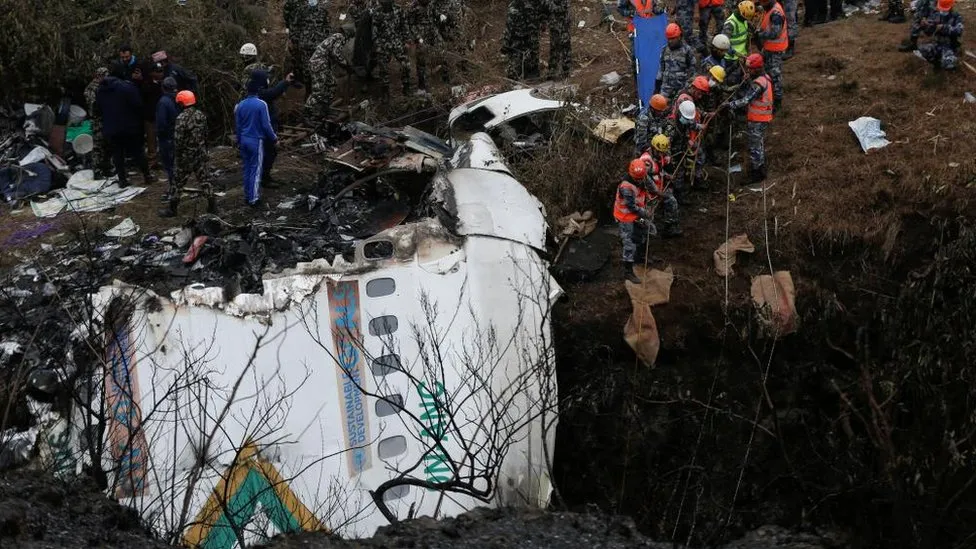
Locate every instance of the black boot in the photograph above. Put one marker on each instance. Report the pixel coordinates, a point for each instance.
(629, 274)
(909, 44)
(758, 173)
(789, 50)
(777, 105)
(170, 210)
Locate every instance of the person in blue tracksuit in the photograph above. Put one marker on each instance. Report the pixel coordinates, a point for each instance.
(253, 127)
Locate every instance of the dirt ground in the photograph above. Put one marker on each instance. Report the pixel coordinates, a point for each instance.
(633, 440)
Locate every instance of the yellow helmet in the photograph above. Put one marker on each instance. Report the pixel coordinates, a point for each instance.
(661, 143)
(718, 73)
(747, 9)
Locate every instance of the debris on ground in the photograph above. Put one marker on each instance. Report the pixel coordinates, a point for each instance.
(610, 79)
(724, 256)
(641, 331)
(869, 133)
(611, 130)
(124, 229)
(775, 299)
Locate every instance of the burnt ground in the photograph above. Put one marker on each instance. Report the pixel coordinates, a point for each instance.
(682, 448)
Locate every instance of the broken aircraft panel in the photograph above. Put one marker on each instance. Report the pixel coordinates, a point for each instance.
(401, 369)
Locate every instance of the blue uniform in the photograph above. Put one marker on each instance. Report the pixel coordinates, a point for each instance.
(253, 128)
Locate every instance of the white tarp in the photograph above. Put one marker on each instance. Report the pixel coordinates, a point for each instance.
(869, 133)
(84, 193)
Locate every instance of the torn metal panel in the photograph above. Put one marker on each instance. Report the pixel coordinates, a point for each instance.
(341, 376)
(480, 152)
(489, 112)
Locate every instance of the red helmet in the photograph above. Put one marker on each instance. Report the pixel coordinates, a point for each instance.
(672, 31)
(700, 83)
(945, 5)
(754, 61)
(186, 98)
(637, 169)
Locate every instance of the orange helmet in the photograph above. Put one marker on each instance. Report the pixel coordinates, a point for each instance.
(672, 31)
(755, 61)
(700, 83)
(637, 169)
(945, 5)
(186, 98)
(659, 102)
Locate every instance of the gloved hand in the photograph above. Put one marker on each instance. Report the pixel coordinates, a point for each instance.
(647, 225)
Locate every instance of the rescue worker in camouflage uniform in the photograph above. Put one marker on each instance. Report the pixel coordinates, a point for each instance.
(946, 26)
(773, 37)
(657, 159)
(191, 153)
(308, 25)
(685, 133)
(100, 160)
(424, 23)
(894, 12)
(389, 40)
(632, 215)
(922, 10)
(249, 58)
(652, 120)
(759, 100)
(329, 56)
(677, 63)
(452, 20)
(560, 44)
(521, 39)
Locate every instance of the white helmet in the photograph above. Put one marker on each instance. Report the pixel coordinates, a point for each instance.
(687, 110)
(721, 42)
(249, 49)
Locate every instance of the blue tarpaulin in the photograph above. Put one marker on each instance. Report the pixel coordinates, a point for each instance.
(649, 40)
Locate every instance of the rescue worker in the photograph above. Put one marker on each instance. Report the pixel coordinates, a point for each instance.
(759, 99)
(389, 38)
(773, 37)
(737, 29)
(521, 39)
(633, 217)
(717, 54)
(191, 153)
(307, 22)
(677, 63)
(252, 127)
(423, 23)
(707, 9)
(166, 113)
(922, 10)
(658, 159)
(685, 140)
(329, 57)
(894, 12)
(249, 58)
(650, 122)
(946, 26)
(99, 153)
(560, 43)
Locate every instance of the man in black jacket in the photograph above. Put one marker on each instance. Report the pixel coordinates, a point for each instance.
(270, 96)
(185, 80)
(120, 106)
(166, 112)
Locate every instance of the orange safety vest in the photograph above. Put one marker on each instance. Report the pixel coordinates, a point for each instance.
(644, 8)
(761, 108)
(620, 210)
(781, 42)
(710, 3)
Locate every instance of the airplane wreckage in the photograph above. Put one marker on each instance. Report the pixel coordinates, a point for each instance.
(413, 374)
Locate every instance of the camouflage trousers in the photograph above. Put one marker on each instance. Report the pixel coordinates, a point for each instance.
(99, 155)
(681, 174)
(383, 58)
(632, 237)
(895, 7)
(791, 8)
(705, 16)
(426, 55)
(191, 162)
(560, 45)
(300, 55)
(773, 61)
(756, 140)
(320, 99)
(940, 55)
(684, 14)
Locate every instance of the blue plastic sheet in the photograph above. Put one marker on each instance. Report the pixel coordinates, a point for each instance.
(649, 41)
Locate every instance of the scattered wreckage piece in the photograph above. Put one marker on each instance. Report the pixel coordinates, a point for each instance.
(347, 386)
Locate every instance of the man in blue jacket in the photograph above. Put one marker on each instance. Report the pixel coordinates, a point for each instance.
(253, 127)
(120, 105)
(166, 112)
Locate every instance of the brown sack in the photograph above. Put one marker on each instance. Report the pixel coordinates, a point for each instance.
(640, 332)
(775, 300)
(724, 256)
